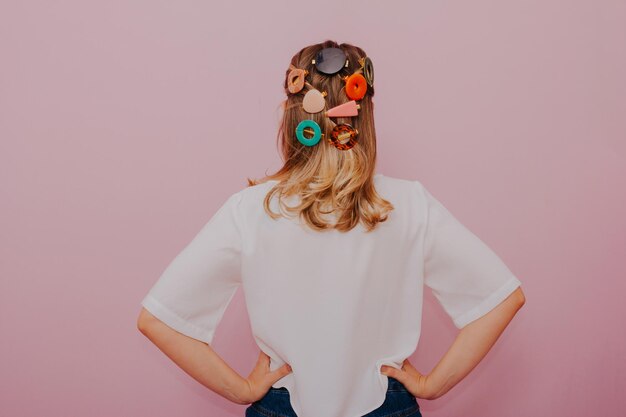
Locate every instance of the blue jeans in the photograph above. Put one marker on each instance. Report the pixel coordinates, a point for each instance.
(399, 402)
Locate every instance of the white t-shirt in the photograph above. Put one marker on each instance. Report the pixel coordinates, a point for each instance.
(335, 306)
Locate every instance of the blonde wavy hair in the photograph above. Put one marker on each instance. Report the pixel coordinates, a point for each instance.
(328, 180)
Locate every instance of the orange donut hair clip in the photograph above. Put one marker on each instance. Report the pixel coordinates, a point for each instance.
(356, 86)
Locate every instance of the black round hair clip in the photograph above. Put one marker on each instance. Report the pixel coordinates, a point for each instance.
(330, 60)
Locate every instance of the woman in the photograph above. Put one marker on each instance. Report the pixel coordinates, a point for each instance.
(332, 259)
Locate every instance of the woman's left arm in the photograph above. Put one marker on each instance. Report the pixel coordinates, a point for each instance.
(202, 363)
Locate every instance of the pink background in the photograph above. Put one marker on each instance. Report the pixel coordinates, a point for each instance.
(125, 124)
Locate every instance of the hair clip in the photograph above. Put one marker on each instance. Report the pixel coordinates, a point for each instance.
(314, 101)
(348, 109)
(343, 136)
(368, 70)
(356, 86)
(310, 126)
(296, 79)
(330, 60)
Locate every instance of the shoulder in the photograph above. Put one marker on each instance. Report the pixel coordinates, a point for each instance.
(396, 181)
(248, 199)
(251, 192)
(407, 187)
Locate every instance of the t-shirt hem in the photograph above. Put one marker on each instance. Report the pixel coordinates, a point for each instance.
(176, 322)
(489, 303)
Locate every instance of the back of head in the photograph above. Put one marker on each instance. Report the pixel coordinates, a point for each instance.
(329, 158)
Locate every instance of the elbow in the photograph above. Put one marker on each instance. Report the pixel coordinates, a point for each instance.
(141, 325)
(521, 298)
(144, 320)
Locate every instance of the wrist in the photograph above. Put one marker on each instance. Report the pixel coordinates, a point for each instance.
(241, 394)
(430, 388)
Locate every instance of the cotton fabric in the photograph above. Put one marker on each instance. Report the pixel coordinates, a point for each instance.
(335, 306)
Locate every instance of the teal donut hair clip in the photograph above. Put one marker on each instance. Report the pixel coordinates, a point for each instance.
(310, 126)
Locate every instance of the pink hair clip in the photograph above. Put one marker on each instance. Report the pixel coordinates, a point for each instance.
(348, 109)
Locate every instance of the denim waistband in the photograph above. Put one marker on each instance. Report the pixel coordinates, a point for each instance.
(397, 403)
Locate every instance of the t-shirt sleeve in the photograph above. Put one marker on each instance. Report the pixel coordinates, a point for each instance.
(194, 290)
(466, 276)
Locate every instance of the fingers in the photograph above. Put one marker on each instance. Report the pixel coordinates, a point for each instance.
(283, 370)
(264, 360)
(393, 372)
(405, 374)
(279, 373)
